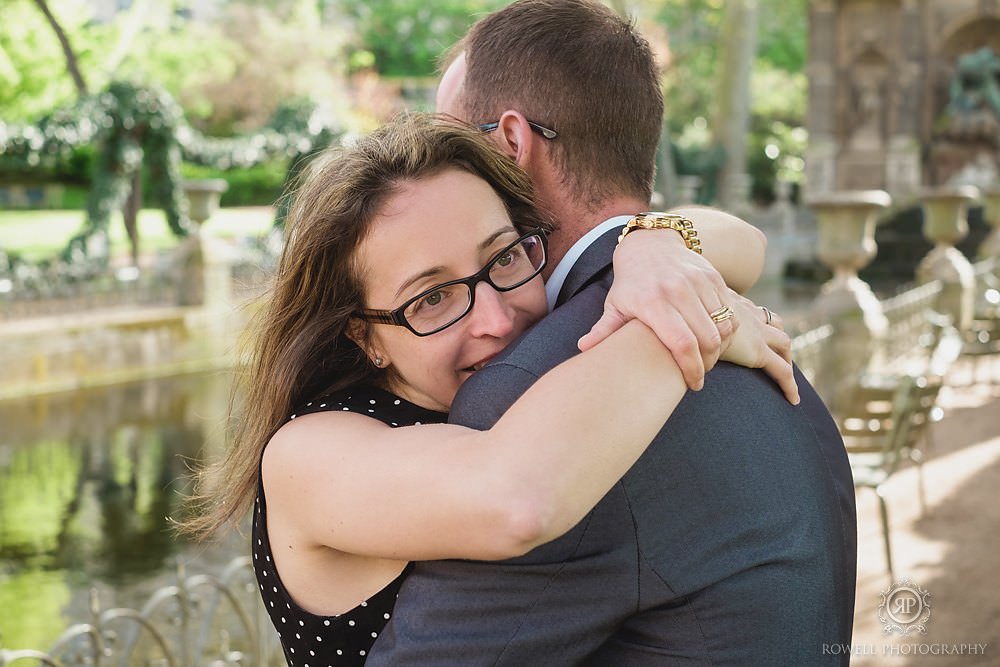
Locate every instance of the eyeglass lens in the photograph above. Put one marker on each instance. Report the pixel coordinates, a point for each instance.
(441, 306)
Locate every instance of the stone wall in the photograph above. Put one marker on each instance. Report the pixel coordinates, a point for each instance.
(879, 73)
(44, 355)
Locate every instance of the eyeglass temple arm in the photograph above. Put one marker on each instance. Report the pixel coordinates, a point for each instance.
(379, 316)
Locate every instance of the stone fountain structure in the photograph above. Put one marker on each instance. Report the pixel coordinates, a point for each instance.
(904, 94)
(904, 118)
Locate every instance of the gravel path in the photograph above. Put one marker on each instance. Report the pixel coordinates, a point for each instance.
(951, 550)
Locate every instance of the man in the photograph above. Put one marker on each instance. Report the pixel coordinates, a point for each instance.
(732, 540)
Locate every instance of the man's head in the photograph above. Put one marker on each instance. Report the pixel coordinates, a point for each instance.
(578, 68)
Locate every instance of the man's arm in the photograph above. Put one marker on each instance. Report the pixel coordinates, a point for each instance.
(554, 605)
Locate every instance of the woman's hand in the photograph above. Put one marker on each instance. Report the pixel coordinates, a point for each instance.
(757, 344)
(672, 290)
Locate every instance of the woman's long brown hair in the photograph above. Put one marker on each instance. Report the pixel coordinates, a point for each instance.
(298, 348)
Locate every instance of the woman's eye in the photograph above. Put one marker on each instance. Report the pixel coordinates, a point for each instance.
(433, 299)
(505, 259)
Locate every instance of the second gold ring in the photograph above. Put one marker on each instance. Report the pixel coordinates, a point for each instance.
(722, 314)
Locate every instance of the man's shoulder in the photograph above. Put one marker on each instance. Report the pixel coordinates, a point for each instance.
(485, 396)
(554, 338)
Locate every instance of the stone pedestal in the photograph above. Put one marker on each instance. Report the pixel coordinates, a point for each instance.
(784, 206)
(846, 222)
(205, 272)
(739, 188)
(687, 189)
(821, 167)
(990, 247)
(945, 224)
(903, 167)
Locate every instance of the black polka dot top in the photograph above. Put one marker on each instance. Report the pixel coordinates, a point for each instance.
(309, 640)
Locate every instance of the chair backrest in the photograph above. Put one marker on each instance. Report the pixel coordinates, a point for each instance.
(882, 420)
(944, 344)
(925, 395)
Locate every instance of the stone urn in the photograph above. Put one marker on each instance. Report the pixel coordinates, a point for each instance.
(990, 247)
(945, 224)
(846, 224)
(203, 198)
(204, 273)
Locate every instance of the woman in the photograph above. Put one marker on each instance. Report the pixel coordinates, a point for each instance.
(413, 258)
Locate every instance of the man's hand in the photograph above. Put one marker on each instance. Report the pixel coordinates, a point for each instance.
(672, 290)
(757, 344)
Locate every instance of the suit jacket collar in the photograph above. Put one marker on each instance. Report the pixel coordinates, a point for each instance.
(591, 265)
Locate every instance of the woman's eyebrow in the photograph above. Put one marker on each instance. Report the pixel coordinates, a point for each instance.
(420, 276)
(495, 235)
(487, 242)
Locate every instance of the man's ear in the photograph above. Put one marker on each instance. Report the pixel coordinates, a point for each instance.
(514, 137)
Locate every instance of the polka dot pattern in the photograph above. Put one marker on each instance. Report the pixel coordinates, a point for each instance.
(345, 639)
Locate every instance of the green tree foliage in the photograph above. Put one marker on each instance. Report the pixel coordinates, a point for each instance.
(163, 49)
(405, 37)
(228, 73)
(778, 84)
(33, 75)
(281, 50)
(693, 27)
(693, 32)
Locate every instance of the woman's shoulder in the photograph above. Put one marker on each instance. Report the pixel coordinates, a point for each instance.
(371, 401)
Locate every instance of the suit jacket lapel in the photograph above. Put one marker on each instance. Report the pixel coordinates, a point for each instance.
(590, 266)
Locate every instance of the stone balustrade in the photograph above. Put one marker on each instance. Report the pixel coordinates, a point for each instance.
(71, 326)
(201, 620)
(866, 335)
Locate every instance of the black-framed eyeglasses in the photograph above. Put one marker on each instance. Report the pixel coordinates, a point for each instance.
(441, 306)
(539, 129)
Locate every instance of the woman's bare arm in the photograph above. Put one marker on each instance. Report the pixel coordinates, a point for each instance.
(659, 281)
(733, 246)
(351, 483)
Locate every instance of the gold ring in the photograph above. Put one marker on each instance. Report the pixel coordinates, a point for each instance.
(722, 314)
(768, 315)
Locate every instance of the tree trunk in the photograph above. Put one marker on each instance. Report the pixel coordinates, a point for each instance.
(71, 61)
(731, 120)
(130, 214)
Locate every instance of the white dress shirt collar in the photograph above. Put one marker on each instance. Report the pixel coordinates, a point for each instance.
(555, 282)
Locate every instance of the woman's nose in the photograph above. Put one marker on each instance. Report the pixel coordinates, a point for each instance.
(491, 315)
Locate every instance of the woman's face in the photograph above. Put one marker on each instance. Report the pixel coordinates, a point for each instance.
(431, 231)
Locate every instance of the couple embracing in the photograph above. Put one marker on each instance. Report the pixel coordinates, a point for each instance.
(439, 475)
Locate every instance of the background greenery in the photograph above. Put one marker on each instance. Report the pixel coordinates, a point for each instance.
(38, 235)
(358, 61)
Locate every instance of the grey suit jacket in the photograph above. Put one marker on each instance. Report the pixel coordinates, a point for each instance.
(731, 541)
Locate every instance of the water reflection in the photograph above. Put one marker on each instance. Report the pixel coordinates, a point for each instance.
(87, 481)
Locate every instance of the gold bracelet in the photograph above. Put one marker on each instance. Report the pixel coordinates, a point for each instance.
(678, 223)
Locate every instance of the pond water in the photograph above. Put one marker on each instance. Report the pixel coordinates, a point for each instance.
(88, 480)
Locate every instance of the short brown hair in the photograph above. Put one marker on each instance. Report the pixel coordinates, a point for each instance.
(579, 68)
(300, 348)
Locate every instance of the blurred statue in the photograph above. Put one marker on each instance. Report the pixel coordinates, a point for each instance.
(975, 82)
(868, 115)
(973, 111)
